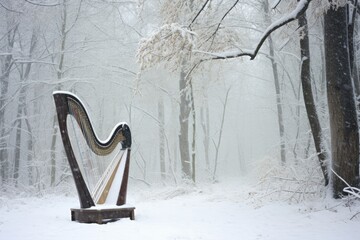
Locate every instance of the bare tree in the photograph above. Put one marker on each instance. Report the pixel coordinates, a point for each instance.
(24, 70)
(309, 97)
(7, 62)
(65, 27)
(185, 108)
(279, 104)
(217, 145)
(161, 117)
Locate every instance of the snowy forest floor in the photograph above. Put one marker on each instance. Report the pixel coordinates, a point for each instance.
(224, 210)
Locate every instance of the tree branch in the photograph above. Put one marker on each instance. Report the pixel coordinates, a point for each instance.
(295, 14)
(8, 9)
(222, 19)
(43, 4)
(275, 4)
(197, 15)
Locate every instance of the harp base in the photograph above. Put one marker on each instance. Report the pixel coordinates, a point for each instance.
(102, 215)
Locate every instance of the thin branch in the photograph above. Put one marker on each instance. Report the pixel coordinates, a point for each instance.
(217, 146)
(222, 19)
(354, 216)
(197, 15)
(8, 9)
(275, 4)
(76, 18)
(43, 4)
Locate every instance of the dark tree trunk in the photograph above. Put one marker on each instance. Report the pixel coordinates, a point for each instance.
(352, 50)
(309, 97)
(351, 26)
(342, 110)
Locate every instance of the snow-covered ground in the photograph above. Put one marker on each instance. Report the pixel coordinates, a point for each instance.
(216, 211)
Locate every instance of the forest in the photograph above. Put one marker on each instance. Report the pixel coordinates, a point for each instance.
(263, 93)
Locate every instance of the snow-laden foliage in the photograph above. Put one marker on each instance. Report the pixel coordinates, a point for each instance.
(176, 11)
(182, 33)
(170, 44)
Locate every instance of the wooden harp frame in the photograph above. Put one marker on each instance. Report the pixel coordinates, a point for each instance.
(69, 104)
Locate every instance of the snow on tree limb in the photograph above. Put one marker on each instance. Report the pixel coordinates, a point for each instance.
(170, 44)
(298, 11)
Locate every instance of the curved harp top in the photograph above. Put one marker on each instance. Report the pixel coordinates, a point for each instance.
(72, 105)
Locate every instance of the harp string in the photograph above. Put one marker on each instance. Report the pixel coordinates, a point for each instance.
(103, 170)
(82, 159)
(100, 186)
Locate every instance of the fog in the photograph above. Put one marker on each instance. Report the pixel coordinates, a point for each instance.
(93, 49)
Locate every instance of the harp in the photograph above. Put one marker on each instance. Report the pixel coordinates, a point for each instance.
(108, 198)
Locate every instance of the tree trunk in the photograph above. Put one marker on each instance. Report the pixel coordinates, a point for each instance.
(60, 75)
(193, 144)
(351, 10)
(162, 138)
(30, 150)
(184, 126)
(4, 80)
(277, 89)
(6, 67)
(341, 102)
(17, 150)
(309, 97)
(21, 113)
(217, 146)
(205, 124)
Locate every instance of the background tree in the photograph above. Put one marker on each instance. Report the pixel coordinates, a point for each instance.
(309, 97)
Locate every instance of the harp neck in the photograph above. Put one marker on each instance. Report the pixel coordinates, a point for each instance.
(120, 134)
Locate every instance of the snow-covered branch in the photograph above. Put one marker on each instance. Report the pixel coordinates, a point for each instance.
(298, 11)
(170, 44)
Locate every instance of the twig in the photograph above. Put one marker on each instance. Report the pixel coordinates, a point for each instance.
(197, 15)
(275, 4)
(218, 26)
(11, 10)
(42, 4)
(354, 215)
